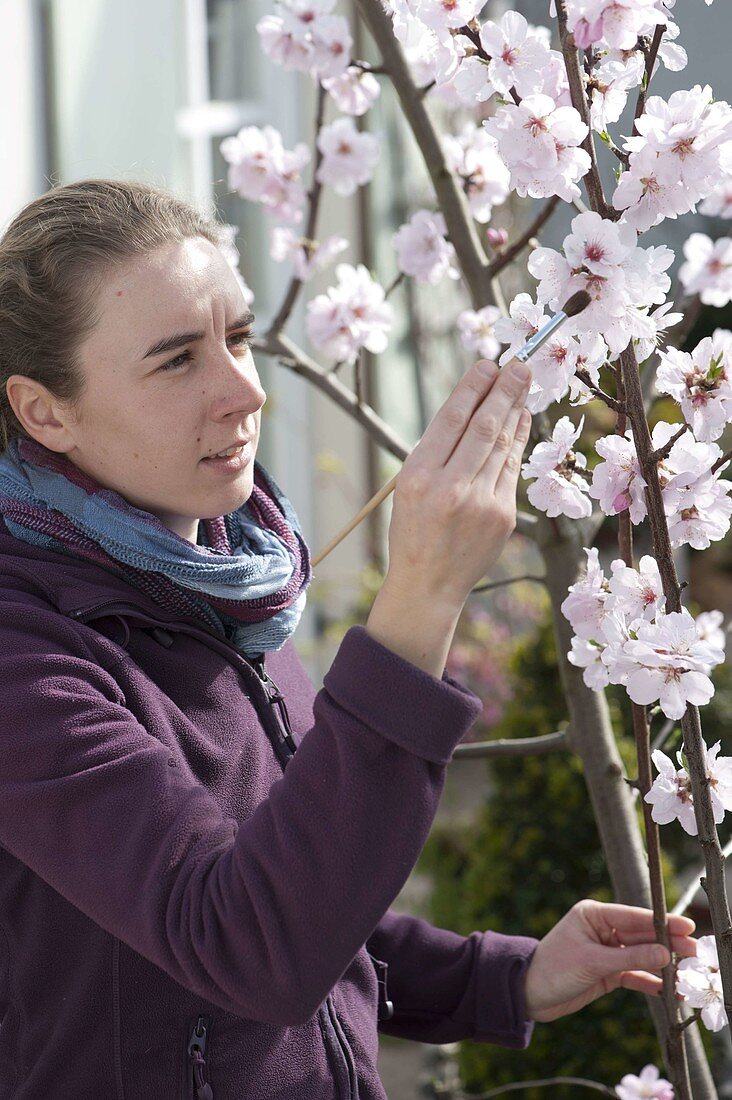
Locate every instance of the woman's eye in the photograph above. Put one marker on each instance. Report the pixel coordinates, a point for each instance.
(241, 339)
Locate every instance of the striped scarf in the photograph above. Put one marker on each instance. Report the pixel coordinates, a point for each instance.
(247, 581)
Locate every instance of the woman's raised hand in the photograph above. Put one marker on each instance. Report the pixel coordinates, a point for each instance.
(455, 496)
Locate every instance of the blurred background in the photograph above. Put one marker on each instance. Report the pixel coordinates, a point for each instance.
(148, 89)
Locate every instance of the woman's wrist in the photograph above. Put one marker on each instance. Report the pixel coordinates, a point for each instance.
(415, 627)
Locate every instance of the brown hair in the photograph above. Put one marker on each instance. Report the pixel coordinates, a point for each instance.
(54, 255)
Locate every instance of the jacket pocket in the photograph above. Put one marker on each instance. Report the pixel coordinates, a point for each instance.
(198, 1038)
(386, 1007)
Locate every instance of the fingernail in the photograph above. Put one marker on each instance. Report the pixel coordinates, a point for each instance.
(520, 371)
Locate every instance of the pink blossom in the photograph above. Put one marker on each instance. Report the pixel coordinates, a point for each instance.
(610, 83)
(701, 382)
(636, 593)
(618, 22)
(584, 606)
(349, 157)
(538, 142)
(618, 480)
(560, 488)
(708, 269)
(696, 501)
(354, 90)
(663, 661)
(351, 315)
(473, 156)
(476, 330)
(307, 257)
(699, 982)
(422, 250)
(648, 1086)
(442, 14)
(332, 43)
(518, 54)
(262, 170)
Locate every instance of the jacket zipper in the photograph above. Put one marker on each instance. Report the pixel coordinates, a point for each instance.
(285, 748)
(197, 1043)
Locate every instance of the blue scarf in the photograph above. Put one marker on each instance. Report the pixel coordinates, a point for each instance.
(247, 582)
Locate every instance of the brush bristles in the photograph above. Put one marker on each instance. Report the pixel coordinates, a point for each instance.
(576, 303)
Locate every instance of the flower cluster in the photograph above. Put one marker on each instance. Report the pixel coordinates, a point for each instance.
(473, 156)
(695, 499)
(701, 382)
(349, 157)
(676, 157)
(560, 487)
(477, 332)
(305, 35)
(670, 794)
(262, 170)
(307, 257)
(349, 316)
(699, 982)
(422, 250)
(622, 279)
(538, 142)
(623, 635)
(616, 23)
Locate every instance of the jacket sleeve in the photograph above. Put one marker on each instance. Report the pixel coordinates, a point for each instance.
(260, 917)
(445, 987)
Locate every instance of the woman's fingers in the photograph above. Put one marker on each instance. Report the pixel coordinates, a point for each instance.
(487, 428)
(450, 422)
(508, 476)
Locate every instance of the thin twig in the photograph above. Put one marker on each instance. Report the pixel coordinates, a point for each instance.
(721, 461)
(581, 1082)
(592, 179)
(519, 746)
(507, 580)
(651, 54)
(450, 196)
(511, 251)
(693, 884)
(611, 402)
(314, 194)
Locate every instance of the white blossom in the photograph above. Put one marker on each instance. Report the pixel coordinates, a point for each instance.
(708, 269)
(354, 91)
(262, 170)
(351, 315)
(701, 382)
(649, 1085)
(476, 331)
(559, 488)
(699, 982)
(473, 156)
(349, 157)
(422, 250)
(518, 54)
(307, 257)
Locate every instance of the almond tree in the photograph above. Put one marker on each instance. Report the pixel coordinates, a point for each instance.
(537, 105)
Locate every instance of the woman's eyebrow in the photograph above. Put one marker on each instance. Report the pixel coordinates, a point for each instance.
(181, 338)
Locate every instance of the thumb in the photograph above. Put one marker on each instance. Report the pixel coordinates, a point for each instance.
(642, 956)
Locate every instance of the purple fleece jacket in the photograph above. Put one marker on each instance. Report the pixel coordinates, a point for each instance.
(189, 912)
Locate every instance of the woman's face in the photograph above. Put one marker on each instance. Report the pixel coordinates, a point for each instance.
(143, 427)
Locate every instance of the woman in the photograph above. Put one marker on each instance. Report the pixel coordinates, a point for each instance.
(199, 851)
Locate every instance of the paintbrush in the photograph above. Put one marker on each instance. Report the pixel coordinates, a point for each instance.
(571, 308)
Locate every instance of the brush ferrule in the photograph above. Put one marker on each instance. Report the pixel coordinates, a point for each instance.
(534, 342)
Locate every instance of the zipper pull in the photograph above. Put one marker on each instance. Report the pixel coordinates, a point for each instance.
(196, 1050)
(276, 698)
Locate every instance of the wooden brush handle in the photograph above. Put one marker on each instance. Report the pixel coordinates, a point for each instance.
(376, 499)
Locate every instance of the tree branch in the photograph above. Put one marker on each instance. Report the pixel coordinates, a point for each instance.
(592, 180)
(580, 1082)
(519, 746)
(651, 55)
(314, 203)
(450, 196)
(511, 251)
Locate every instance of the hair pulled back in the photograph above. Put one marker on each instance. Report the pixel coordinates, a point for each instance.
(54, 256)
